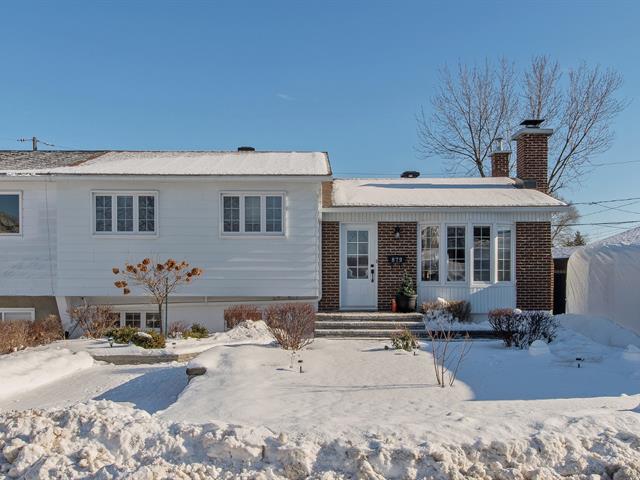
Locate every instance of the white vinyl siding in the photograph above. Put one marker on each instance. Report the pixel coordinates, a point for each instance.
(252, 214)
(125, 213)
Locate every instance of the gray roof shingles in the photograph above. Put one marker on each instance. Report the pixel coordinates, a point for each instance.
(44, 159)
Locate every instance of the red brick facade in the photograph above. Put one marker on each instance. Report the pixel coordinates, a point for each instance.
(534, 266)
(500, 164)
(330, 267)
(532, 158)
(390, 276)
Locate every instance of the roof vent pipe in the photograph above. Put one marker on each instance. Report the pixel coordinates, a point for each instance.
(410, 174)
(246, 149)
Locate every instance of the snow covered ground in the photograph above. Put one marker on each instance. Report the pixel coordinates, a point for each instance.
(357, 411)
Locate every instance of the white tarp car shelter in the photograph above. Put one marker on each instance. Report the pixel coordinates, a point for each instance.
(603, 279)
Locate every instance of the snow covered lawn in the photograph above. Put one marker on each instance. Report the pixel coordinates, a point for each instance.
(26, 370)
(357, 411)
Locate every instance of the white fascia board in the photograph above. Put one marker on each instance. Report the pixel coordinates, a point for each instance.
(539, 208)
(200, 178)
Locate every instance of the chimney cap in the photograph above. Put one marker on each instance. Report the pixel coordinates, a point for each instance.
(532, 122)
(246, 149)
(410, 174)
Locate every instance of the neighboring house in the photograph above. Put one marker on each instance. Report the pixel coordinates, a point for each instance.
(269, 227)
(603, 279)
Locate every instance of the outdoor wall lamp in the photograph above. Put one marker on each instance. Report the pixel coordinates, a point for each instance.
(396, 232)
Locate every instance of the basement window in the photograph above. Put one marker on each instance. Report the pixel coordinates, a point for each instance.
(252, 214)
(17, 314)
(10, 213)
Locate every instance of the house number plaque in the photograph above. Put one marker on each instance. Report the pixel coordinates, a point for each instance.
(396, 259)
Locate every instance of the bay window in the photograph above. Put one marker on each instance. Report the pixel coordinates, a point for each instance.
(125, 213)
(482, 254)
(253, 213)
(456, 254)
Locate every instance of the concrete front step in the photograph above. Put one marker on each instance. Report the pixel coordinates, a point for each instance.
(367, 325)
(369, 317)
(363, 333)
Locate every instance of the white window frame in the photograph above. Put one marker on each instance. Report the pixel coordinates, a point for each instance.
(30, 311)
(143, 317)
(114, 194)
(440, 270)
(493, 254)
(494, 244)
(263, 214)
(467, 278)
(20, 208)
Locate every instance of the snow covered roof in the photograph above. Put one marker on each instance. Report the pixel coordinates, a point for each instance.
(628, 237)
(437, 192)
(43, 159)
(176, 163)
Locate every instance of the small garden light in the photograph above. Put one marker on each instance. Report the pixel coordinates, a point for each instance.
(110, 339)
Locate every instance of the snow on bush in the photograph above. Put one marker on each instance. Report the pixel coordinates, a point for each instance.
(102, 439)
(520, 329)
(29, 369)
(447, 311)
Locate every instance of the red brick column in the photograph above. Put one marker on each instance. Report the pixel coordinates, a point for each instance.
(330, 267)
(500, 164)
(534, 266)
(390, 276)
(532, 158)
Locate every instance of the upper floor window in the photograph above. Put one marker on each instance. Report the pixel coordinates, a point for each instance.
(125, 212)
(253, 213)
(10, 213)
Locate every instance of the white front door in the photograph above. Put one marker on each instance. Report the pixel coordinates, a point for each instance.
(359, 265)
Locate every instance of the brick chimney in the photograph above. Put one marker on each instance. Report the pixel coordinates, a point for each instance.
(532, 157)
(500, 160)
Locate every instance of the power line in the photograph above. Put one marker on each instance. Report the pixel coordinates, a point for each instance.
(595, 223)
(605, 201)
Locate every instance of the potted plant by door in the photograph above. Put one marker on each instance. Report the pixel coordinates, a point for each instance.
(406, 297)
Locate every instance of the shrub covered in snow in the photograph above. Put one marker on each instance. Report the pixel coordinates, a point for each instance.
(149, 339)
(196, 331)
(447, 311)
(177, 329)
(236, 314)
(404, 340)
(18, 334)
(520, 329)
(291, 324)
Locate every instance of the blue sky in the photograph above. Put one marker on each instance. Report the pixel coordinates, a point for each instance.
(343, 77)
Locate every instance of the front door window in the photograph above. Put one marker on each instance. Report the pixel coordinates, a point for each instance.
(357, 254)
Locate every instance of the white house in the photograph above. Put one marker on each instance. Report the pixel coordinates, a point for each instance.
(269, 227)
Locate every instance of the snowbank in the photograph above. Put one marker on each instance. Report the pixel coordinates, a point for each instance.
(599, 329)
(32, 368)
(107, 441)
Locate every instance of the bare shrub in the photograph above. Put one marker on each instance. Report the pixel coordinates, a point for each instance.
(19, 334)
(94, 320)
(14, 335)
(450, 311)
(45, 330)
(291, 324)
(177, 329)
(520, 329)
(236, 314)
(448, 352)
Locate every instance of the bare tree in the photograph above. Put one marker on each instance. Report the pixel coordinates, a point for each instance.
(159, 280)
(469, 111)
(581, 112)
(477, 104)
(561, 230)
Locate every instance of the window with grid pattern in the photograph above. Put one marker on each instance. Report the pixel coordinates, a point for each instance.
(431, 253)
(504, 254)
(481, 254)
(456, 254)
(253, 213)
(357, 254)
(124, 213)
